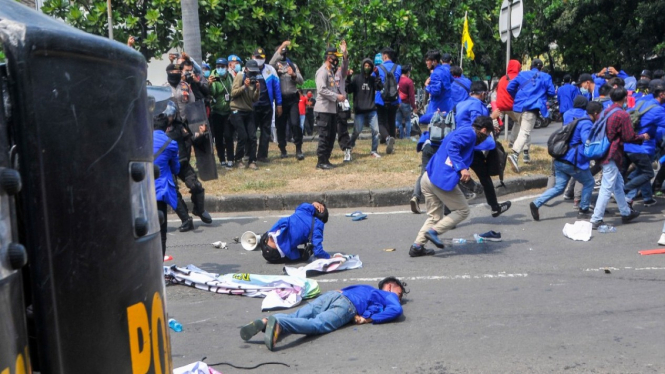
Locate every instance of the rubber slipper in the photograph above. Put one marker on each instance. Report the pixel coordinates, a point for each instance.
(354, 214)
(269, 337)
(359, 217)
(251, 329)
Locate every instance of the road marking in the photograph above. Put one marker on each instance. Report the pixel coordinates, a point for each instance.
(624, 268)
(428, 278)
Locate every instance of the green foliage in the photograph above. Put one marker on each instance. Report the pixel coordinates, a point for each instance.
(308, 84)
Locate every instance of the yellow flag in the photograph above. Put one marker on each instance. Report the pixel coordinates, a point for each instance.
(466, 40)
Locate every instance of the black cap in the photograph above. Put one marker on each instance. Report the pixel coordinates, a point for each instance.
(646, 73)
(446, 57)
(253, 66)
(536, 62)
(586, 77)
(656, 85)
(580, 102)
(259, 52)
(642, 84)
(173, 67)
(332, 51)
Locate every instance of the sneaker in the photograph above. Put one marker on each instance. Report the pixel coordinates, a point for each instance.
(534, 212)
(433, 237)
(229, 165)
(597, 224)
(501, 209)
(513, 161)
(187, 225)
(661, 241)
(415, 205)
(375, 155)
(390, 144)
(252, 165)
(651, 202)
(584, 213)
(324, 166)
(240, 165)
(347, 155)
(526, 158)
(633, 214)
(566, 197)
(491, 236)
(469, 195)
(300, 156)
(596, 185)
(419, 250)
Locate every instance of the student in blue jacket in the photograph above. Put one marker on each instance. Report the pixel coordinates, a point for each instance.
(449, 165)
(438, 85)
(573, 165)
(566, 94)
(304, 227)
(332, 310)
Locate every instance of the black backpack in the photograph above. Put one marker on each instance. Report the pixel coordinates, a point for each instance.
(390, 91)
(557, 144)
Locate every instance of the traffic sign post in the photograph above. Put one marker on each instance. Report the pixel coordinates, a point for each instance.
(510, 22)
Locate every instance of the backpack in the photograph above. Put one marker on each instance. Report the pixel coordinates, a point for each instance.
(436, 127)
(636, 114)
(557, 144)
(390, 91)
(598, 144)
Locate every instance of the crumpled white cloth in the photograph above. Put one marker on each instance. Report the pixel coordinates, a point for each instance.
(195, 368)
(345, 262)
(580, 230)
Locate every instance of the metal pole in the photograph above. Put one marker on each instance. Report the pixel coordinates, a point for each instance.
(510, 31)
(461, 50)
(108, 8)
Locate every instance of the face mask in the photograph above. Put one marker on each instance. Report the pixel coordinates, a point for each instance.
(368, 71)
(584, 91)
(480, 137)
(260, 61)
(221, 71)
(206, 73)
(173, 78)
(624, 106)
(334, 63)
(237, 68)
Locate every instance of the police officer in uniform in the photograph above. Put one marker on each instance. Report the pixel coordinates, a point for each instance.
(328, 95)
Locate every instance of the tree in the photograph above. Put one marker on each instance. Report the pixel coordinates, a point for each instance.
(191, 29)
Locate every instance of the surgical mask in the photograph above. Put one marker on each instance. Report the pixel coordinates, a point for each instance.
(221, 71)
(480, 137)
(584, 91)
(173, 78)
(206, 73)
(624, 106)
(260, 61)
(237, 68)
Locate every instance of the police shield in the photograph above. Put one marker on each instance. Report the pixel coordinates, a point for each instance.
(202, 144)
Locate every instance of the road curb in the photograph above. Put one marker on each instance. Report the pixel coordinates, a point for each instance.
(348, 199)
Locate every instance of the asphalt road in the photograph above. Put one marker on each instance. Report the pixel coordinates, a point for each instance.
(540, 136)
(535, 303)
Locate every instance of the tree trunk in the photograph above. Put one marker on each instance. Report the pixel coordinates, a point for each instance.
(190, 29)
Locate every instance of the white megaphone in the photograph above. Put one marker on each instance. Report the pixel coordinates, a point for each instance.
(250, 240)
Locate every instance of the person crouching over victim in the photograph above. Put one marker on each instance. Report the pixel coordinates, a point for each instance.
(302, 228)
(332, 310)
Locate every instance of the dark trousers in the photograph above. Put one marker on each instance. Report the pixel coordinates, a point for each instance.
(386, 114)
(290, 118)
(309, 122)
(243, 123)
(161, 206)
(326, 124)
(644, 170)
(480, 167)
(222, 131)
(188, 175)
(343, 137)
(263, 119)
(427, 152)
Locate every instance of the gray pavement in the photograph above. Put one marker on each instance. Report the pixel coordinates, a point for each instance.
(534, 303)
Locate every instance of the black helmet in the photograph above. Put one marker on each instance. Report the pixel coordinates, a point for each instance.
(161, 120)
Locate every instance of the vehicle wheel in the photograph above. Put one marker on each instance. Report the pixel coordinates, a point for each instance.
(546, 122)
(539, 122)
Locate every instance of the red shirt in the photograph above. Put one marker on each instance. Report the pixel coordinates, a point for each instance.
(302, 105)
(406, 91)
(619, 131)
(503, 99)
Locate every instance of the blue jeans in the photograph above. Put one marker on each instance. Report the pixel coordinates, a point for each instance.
(361, 119)
(640, 178)
(612, 182)
(302, 123)
(325, 314)
(563, 172)
(403, 113)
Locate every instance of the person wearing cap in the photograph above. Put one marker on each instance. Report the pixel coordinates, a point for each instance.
(641, 90)
(328, 95)
(646, 75)
(270, 93)
(566, 94)
(387, 112)
(180, 90)
(243, 97)
(578, 110)
(449, 165)
(407, 94)
(205, 68)
(530, 89)
(343, 108)
(289, 79)
(221, 85)
(235, 65)
(361, 304)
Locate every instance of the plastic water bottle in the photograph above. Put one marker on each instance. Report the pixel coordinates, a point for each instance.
(606, 228)
(175, 325)
(459, 241)
(479, 239)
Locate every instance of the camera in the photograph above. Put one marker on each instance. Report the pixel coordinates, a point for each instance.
(252, 79)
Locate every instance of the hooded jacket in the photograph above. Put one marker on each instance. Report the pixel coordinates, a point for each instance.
(364, 89)
(503, 99)
(294, 230)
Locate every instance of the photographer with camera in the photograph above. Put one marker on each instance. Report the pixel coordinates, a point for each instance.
(244, 93)
(195, 80)
(221, 84)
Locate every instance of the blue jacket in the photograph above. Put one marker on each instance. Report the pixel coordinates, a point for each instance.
(600, 81)
(460, 88)
(575, 154)
(566, 95)
(571, 114)
(169, 166)
(381, 306)
(272, 84)
(530, 90)
(295, 231)
(652, 122)
(454, 155)
(466, 113)
(440, 90)
(398, 73)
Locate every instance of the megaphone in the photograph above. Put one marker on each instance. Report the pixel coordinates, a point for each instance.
(250, 240)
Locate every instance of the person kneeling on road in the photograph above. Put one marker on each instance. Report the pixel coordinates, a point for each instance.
(332, 310)
(304, 227)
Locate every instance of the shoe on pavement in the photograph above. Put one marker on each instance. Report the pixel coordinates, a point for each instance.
(415, 205)
(324, 166)
(187, 225)
(375, 155)
(491, 236)
(584, 213)
(597, 224)
(252, 165)
(205, 216)
(390, 144)
(651, 202)
(534, 212)
(633, 214)
(417, 251)
(513, 161)
(526, 158)
(503, 207)
(347, 155)
(433, 237)
(661, 241)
